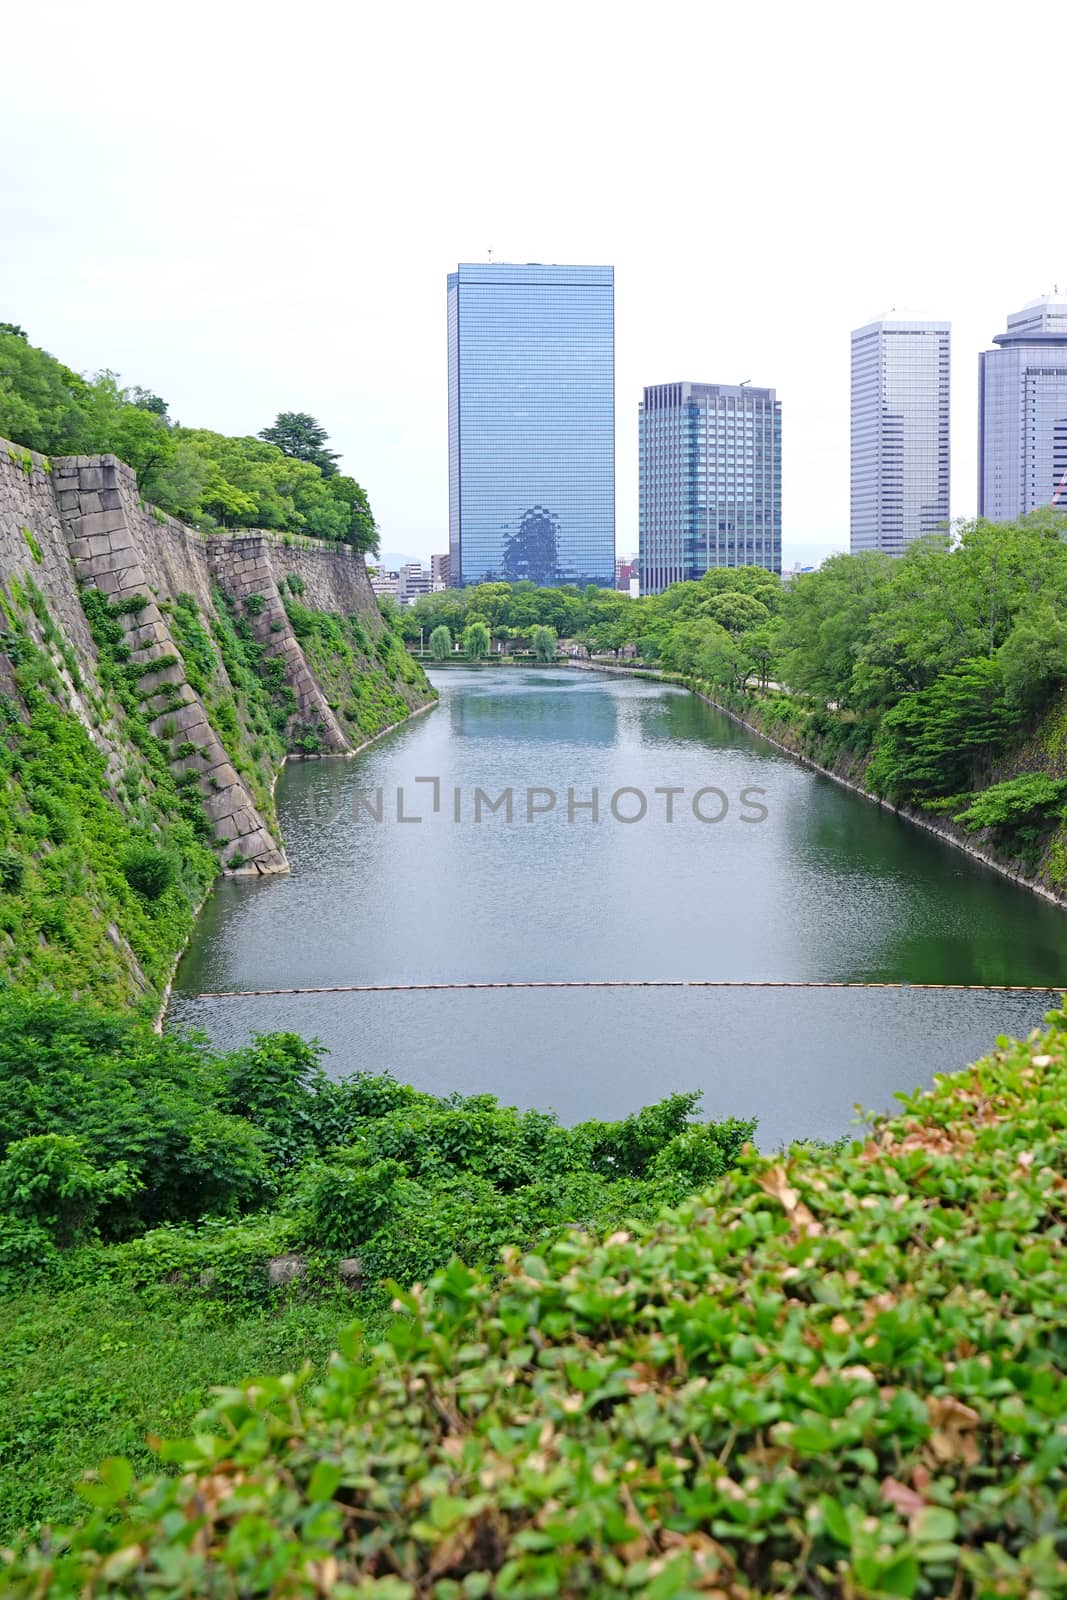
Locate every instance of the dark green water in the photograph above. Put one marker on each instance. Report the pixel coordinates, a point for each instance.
(827, 886)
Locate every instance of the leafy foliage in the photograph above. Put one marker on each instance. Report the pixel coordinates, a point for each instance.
(836, 1375)
(441, 643)
(283, 480)
(1006, 805)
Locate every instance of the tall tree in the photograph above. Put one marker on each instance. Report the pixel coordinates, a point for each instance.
(300, 435)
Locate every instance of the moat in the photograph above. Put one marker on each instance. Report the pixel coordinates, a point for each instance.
(798, 879)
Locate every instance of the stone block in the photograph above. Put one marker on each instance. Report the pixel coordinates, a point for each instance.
(110, 500)
(108, 583)
(91, 478)
(81, 549)
(99, 522)
(107, 561)
(224, 802)
(88, 503)
(285, 1269)
(225, 828)
(224, 774)
(350, 1272)
(152, 682)
(184, 719)
(69, 500)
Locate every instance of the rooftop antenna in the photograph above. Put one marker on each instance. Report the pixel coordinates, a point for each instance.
(490, 255)
(741, 385)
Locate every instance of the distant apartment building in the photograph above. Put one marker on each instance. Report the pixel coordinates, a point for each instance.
(439, 572)
(625, 573)
(413, 580)
(900, 431)
(531, 424)
(1022, 413)
(385, 583)
(710, 483)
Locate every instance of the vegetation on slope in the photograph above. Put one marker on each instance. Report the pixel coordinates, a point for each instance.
(154, 1164)
(105, 853)
(100, 872)
(370, 682)
(285, 479)
(834, 1375)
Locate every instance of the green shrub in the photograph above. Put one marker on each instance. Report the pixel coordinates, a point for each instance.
(47, 1180)
(344, 1201)
(149, 870)
(839, 1374)
(12, 871)
(254, 604)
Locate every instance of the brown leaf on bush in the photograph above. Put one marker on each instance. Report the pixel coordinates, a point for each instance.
(773, 1181)
(954, 1430)
(905, 1499)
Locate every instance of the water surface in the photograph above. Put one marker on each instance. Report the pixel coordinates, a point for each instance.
(827, 886)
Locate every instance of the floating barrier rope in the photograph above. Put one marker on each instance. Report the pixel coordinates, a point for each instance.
(630, 983)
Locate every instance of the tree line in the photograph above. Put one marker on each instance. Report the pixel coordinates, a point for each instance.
(285, 479)
(929, 663)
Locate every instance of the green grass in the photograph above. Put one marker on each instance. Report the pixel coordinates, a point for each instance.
(93, 1371)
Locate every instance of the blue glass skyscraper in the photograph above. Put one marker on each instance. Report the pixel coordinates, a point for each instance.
(531, 424)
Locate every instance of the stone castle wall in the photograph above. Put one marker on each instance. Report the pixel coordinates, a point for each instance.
(80, 520)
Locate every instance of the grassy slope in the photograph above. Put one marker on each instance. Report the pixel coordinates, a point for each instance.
(834, 1375)
(69, 921)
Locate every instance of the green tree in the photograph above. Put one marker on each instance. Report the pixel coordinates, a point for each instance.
(300, 435)
(476, 640)
(441, 643)
(737, 612)
(543, 640)
(929, 739)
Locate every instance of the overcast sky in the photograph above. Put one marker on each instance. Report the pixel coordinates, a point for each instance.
(252, 207)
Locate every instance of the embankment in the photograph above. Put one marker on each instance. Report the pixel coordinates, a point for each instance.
(153, 681)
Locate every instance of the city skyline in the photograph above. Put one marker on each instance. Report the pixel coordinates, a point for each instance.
(177, 284)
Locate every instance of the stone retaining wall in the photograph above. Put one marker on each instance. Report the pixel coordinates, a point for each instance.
(98, 502)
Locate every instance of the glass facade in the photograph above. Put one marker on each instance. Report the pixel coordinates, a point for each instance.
(1022, 414)
(900, 431)
(710, 481)
(531, 424)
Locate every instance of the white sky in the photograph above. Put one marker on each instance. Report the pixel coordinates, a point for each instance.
(252, 207)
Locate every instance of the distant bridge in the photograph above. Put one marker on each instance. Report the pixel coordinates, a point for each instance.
(631, 983)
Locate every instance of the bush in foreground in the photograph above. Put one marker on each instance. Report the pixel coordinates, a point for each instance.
(834, 1375)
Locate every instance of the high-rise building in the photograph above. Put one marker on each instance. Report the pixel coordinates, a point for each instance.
(531, 424)
(1022, 413)
(900, 430)
(710, 481)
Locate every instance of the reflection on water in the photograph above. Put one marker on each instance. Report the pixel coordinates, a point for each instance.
(828, 886)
